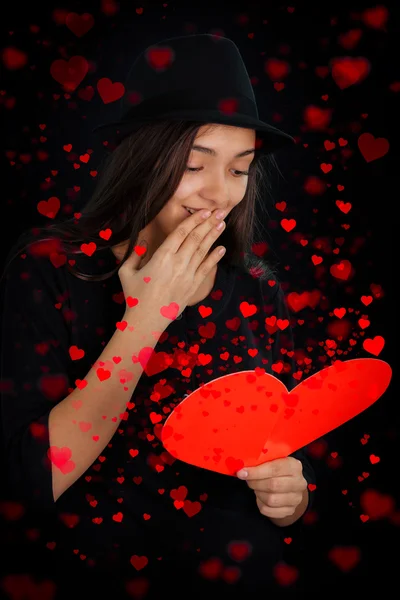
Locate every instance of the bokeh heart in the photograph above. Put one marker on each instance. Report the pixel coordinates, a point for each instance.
(247, 418)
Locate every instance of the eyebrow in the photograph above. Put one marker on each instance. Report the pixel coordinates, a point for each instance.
(213, 152)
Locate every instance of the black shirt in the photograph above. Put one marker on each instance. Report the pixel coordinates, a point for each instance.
(118, 521)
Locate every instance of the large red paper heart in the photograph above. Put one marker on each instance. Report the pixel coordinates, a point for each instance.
(247, 418)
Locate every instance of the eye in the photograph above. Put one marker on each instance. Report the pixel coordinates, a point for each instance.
(241, 173)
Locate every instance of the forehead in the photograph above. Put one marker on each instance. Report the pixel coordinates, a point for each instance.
(219, 137)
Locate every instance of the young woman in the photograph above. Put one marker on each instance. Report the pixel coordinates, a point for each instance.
(108, 321)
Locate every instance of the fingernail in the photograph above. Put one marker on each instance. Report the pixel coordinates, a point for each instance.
(242, 474)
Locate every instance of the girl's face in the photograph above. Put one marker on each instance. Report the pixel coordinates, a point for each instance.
(218, 181)
(215, 178)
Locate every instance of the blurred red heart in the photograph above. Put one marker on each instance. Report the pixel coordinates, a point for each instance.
(247, 418)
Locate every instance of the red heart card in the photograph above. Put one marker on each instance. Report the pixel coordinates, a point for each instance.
(247, 418)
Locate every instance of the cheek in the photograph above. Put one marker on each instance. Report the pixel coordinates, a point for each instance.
(185, 189)
(170, 216)
(188, 187)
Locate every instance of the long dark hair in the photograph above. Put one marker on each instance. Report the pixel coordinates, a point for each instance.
(138, 178)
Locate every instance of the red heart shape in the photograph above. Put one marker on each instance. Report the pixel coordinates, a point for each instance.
(70, 72)
(345, 558)
(372, 148)
(246, 419)
(79, 24)
(109, 91)
(347, 71)
(170, 311)
(60, 458)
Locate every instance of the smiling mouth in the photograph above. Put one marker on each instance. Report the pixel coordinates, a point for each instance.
(191, 210)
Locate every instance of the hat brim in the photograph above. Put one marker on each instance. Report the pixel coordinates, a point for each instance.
(273, 138)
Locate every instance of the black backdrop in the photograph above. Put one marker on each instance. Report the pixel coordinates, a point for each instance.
(318, 99)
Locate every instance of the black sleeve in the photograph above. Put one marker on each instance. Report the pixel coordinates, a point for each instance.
(34, 357)
(284, 340)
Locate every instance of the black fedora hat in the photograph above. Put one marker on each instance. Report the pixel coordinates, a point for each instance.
(199, 77)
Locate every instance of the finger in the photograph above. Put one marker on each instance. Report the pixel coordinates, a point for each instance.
(202, 251)
(276, 513)
(175, 239)
(278, 485)
(280, 467)
(291, 499)
(197, 244)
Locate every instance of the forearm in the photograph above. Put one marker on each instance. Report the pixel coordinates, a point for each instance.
(84, 422)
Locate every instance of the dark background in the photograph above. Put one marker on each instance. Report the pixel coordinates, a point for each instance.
(338, 551)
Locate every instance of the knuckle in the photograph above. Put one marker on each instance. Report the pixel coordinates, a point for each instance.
(297, 465)
(164, 257)
(196, 237)
(271, 501)
(179, 263)
(201, 251)
(181, 232)
(203, 271)
(274, 485)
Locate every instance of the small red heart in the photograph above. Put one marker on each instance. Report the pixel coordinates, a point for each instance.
(60, 458)
(191, 508)
(88, 249)
(374, 459)
(105, 234)
(170, 311)
(220, 415)
(239, 551)
(372, 148)
(109, 91)
(377, 505)
(76, 353)
(247, 310)
(347, 71)
(288, 224)
(131, 302)
(139, 562)
(205, 311)
(346, 558)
